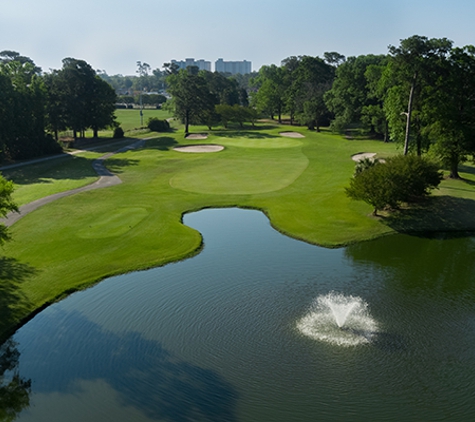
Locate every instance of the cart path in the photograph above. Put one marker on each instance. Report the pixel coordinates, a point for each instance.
(106, 179)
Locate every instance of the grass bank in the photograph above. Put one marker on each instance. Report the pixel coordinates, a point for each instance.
(298, 182)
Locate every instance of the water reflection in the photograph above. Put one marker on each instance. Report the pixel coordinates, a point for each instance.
(14, 390)
(141, 371)
(214, 338)
(412, 262)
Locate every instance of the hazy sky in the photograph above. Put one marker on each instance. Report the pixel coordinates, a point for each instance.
(112, 35)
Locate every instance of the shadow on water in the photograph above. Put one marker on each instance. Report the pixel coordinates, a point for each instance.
(143, 373)
(14, 390)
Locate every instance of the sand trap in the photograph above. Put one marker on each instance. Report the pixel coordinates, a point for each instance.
(291, 134)
(363, 155)
(196, 136)
(199, 148)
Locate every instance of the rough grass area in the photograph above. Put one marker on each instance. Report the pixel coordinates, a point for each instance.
(299, 183)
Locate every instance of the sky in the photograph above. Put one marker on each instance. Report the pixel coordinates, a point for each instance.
(112, 35)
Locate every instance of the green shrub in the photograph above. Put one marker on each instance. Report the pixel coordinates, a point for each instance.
(157, 125)
(402, 178)
(118, 132)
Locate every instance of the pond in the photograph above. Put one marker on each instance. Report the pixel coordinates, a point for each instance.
(247, 331)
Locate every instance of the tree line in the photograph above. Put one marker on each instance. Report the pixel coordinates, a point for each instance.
(36, 106)
(421, 94)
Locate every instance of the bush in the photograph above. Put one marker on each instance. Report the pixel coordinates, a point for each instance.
(157, 125)
(402, 178)
(118, 133)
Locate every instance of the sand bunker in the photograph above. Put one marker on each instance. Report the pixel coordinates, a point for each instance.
(199, 148)
(291, 134)
(197, 136)
(363, 155)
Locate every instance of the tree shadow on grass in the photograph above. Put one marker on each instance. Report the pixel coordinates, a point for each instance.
(463, 168)
(438, 214)
(13, 303)
(246, 134)
(164, 143)
(69, 167)
(117, 165)
(145, 375)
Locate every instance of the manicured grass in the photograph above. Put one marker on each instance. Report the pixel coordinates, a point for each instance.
(299, 183)
(50, 177)
(130, 119)
(45, 178)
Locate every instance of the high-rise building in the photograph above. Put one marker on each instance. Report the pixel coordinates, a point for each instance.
(200, 64)
(241, 67)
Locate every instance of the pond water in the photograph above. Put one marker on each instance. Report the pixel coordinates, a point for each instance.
(244, 332)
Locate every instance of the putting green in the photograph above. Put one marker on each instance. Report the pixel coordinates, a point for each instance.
(242, 176)
(115, 223)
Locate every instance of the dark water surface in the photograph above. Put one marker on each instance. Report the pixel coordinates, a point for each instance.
(215, 337)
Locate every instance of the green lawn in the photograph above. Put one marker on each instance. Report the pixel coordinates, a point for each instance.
(299, 183)
(130, 121)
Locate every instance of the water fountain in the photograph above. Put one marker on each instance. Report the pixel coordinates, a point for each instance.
(339, 319)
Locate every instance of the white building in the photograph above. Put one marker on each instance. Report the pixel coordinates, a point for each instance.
(200, 64)
(241, 67)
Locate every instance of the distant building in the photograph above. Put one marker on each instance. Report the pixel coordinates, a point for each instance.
(200, 64)
(243, 67)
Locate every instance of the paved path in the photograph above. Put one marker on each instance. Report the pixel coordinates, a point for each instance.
(106, 179)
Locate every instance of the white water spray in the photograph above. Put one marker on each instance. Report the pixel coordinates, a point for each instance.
(339, 319)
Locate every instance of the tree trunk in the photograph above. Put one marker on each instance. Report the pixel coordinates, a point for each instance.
(454, 167)
(187, 121)
(419, 144)
(409, 112)
(96, 133)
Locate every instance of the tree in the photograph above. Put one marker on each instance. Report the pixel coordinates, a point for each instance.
(102, 106)
(414, 67)
(350, 97)
(79, 99)
(225, 90)
(6, 205)
(22, 111)
(191, 96)
(453, 110)
(333, 58)
(157, 125)
(313, 78)
(402, 178)
(7, 56)
(270, 96)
